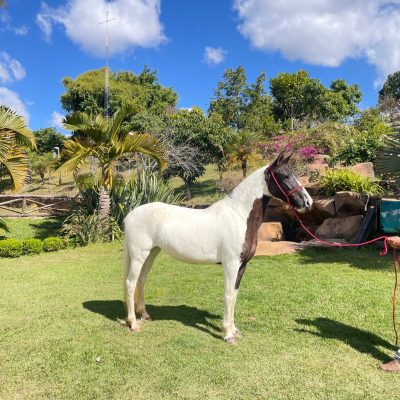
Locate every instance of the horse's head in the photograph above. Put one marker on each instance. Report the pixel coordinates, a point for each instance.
(283, 184)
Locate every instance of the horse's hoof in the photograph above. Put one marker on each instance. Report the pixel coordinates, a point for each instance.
(134, 328)
(237, 334)
(230, 340)
(146, 317)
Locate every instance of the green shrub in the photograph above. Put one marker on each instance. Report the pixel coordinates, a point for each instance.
(52, 244)
(83, 229)
(32, 246)
(11, 248)
(336, 180)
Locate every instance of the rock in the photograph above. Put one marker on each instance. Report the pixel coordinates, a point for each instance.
(341, 228)
(278, 214)
(276, 248)
(364, 169)
(270, 231)
(326, 207)
(350, 203)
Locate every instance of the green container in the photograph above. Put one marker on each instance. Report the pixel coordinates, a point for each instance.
(390, 215)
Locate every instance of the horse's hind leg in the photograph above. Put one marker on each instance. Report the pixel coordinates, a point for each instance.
(139, 293)
(137, 260)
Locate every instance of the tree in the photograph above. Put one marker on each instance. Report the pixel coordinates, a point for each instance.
(14, 137)
(241, 146)
(299, 99)
(391, 88)
(41, 163)
(141, 92)
(47, 139)
(3, 4)
(243, 106)
(106, 142)
(206, 135)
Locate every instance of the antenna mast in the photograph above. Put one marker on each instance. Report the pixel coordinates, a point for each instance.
(106, 72)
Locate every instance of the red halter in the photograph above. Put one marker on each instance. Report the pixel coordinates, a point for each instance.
(281, 189)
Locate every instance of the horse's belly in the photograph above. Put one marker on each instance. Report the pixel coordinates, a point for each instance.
(185, 245)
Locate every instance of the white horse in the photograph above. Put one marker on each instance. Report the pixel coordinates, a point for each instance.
(224, 233)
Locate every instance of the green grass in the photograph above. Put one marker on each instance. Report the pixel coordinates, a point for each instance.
(39, 228)
(315, 326)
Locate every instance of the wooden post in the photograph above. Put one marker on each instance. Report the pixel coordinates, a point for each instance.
(24, 205)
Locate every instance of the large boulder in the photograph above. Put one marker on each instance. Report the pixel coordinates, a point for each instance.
(271, 231)
(341, 228)
(364, 169)
(326, 207)
(350, 203)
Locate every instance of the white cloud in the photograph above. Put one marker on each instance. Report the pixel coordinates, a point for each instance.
(137, 23)
(56, 119)
(5, 20)
(214, 55)
(325, 32)
(10, 68)
(12, 100)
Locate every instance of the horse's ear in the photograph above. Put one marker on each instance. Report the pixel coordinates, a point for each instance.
(286, 160)
(279, 159)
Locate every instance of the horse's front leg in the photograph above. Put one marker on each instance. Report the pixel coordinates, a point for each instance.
(231, 273)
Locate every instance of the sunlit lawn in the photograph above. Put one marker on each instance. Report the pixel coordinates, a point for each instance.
(39, 228)
(314, 326)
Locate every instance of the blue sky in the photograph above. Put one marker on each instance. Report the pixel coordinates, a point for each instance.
(191, 43)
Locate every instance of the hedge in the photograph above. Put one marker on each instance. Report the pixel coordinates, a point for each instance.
(15, 247)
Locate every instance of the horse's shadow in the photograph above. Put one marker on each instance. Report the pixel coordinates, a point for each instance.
(358, 339)
(186, 315)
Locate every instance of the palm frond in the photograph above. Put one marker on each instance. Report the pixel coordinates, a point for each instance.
(16, 165)
(13, 126)
(95, 129)
(74, 155)
(142, 143)
(117, 119)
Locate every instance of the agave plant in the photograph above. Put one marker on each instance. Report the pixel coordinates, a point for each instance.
(14, 136)
(388, 157)
(141, 189)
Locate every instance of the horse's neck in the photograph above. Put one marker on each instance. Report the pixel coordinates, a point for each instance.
(248, 192)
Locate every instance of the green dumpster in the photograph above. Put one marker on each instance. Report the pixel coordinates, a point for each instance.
(390, 215)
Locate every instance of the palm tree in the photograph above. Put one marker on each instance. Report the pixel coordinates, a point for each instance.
(241, 146)
(104, 140)
(388, 158)
(14, 136)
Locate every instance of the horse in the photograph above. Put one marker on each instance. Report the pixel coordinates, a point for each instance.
(224, 233)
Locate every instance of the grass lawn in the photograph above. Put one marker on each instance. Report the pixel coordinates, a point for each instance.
(315, 326)
(39, 228)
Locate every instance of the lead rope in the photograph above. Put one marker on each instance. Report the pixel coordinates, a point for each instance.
(335, 244)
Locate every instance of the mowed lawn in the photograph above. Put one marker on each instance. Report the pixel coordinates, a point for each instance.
(314, 326)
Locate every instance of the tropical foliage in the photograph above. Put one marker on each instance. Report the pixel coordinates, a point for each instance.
(15, 137)
(105, 141)
(336, 180)
(241, 146)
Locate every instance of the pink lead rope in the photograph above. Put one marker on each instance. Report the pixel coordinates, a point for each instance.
(335, 244)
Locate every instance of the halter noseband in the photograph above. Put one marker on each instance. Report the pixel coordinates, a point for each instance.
(281, 189)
